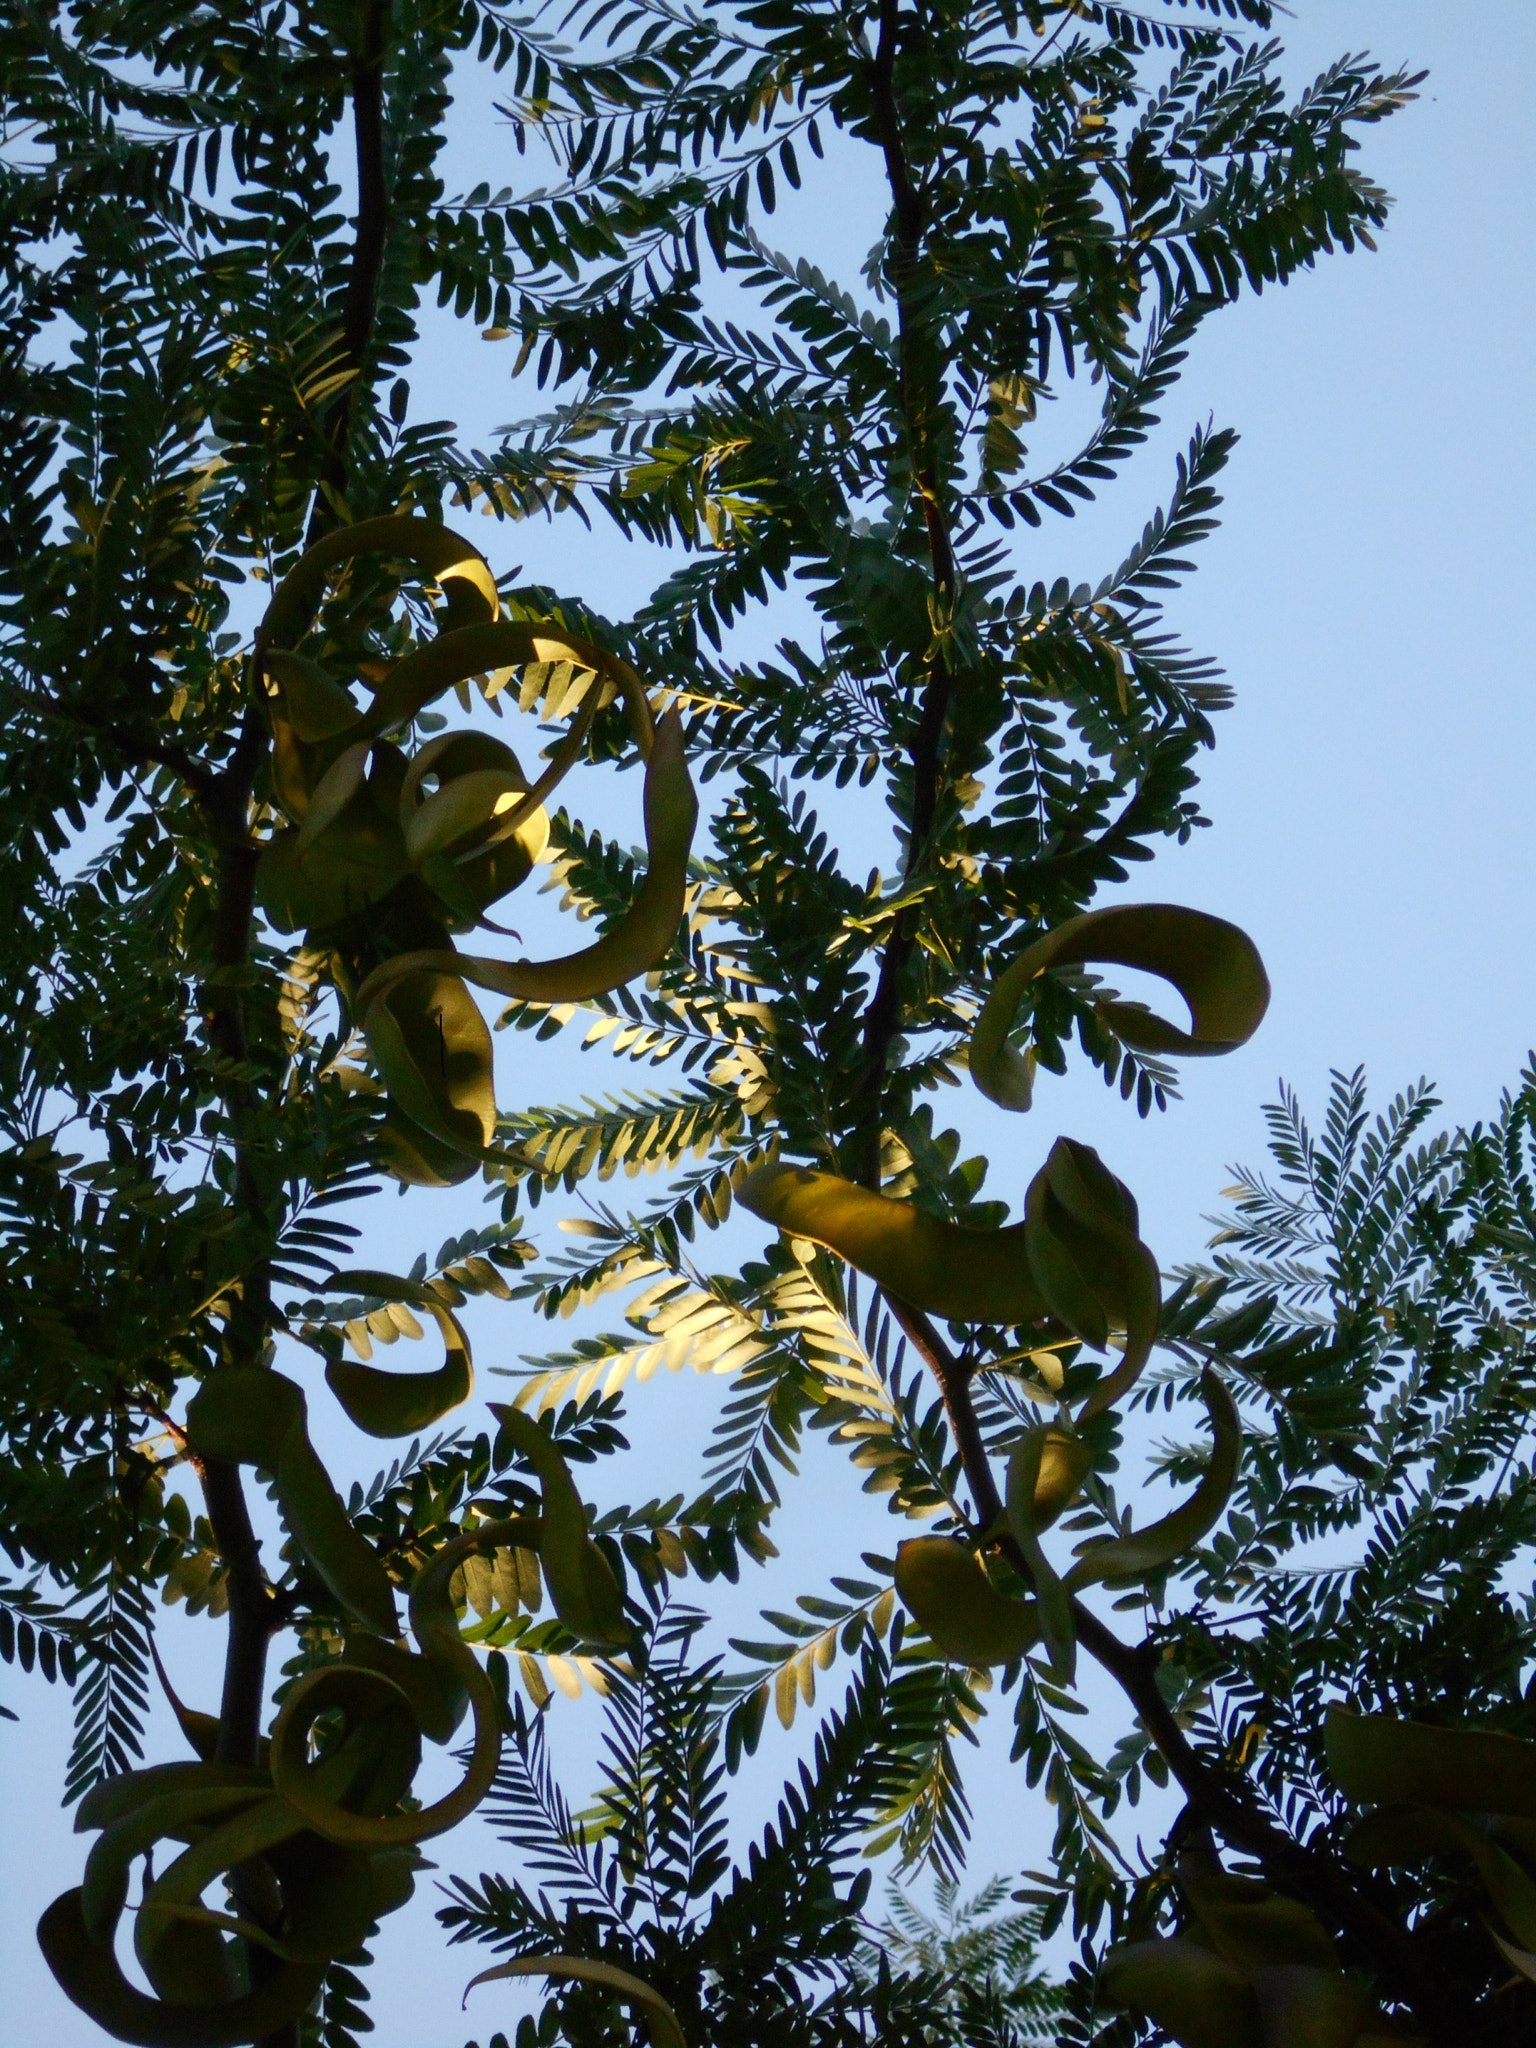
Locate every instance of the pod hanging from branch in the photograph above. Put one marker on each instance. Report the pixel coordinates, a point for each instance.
(1378, 1759)
(640, 939)
(945, 1589)
(1214, 966)
(229, 1819)
(660, 2020)
(1149, 1550)
(253, 1417)
(399, 1403)
(1080, 1230)
(369, 829)
(1254, 1970)
(384, 1697)
(968, 1275)
(1075, 1259)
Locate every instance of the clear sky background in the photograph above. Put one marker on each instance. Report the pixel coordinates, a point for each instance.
(1372, 595)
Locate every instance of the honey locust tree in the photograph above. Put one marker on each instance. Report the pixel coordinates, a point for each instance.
(242, 850)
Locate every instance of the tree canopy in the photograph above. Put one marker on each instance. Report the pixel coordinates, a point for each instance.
(255, 889)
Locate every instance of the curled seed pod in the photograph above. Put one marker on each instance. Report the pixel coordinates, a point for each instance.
(1247, 1924)
(1196, 1998)
(1379, 1759)
(432, 1049)
(944, 1588)
(397, 1403)
(1096, 1275)
(1149, 1550)
(370, 845)
(1064, 1463)
(661, 2021)
(254, 1417)
(582, 1588)
(1256, 1970)
(1052, 1601)
(640, 939)
(1214, 966)
(1075, 1259)
(382, 1698)
(321, 1900)
(461, 572)
(969, 1275)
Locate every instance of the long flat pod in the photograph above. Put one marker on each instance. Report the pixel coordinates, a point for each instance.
(638, 941)
(980, 1276)
(389, 1404)
(1384, 1760)
(660, 2020)
(1212, 964)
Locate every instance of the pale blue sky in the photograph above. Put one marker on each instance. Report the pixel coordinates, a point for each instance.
(1371, 594)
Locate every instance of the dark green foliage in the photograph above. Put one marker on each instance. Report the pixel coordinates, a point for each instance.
(774, 1950)
(205, 366)
(1387, 1375)
(986, 1954)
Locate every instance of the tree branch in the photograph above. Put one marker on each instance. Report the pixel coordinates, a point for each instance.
(368, 242)
(254, 1613)
(918, 398)
(141, 748)
(1222, 1801)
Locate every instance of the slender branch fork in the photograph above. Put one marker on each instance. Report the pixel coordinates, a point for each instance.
(1219, 1800)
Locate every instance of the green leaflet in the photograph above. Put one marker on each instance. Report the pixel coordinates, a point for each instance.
(1213, 965)
(946, 1591)
(660, 2019)
(1378, 1759)
(253, 1417)
(581, 1584)
(1053, 1602)
(1148, 1550)
(968, 1275)
(394, 1404)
